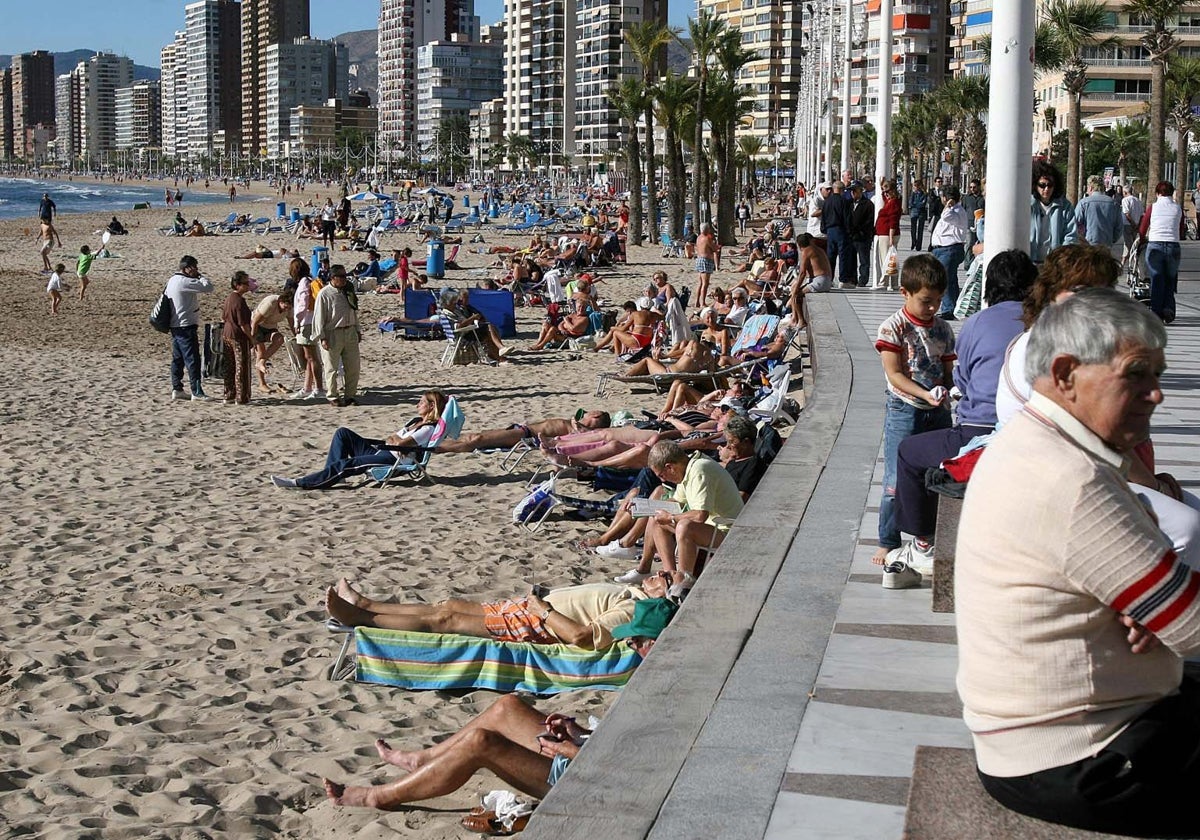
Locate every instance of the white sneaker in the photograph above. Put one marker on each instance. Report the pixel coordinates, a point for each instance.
(300, 395)
(280, 481)
(633, 576)
(179, 395)
(900, 576)
(912, 555)
(319, 393)
(201, 397)
(616, 551)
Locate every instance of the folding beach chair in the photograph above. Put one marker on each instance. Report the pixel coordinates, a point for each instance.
(463, 345)
(773, 406)
(449, 425)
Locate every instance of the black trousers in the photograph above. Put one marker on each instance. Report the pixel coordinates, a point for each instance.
(1142, 784)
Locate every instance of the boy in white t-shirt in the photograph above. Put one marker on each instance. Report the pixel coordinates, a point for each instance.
(55, 288)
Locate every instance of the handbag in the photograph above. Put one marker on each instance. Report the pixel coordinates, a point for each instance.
(160, 314)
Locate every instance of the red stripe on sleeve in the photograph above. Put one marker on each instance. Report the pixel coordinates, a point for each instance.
(1145, 583)
(882, 345)
(1176, 607)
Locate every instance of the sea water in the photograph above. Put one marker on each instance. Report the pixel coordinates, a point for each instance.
(20, 197)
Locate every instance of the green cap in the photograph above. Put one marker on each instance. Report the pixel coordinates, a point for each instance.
(650, 617)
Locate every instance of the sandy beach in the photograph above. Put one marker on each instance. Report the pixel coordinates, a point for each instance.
(163, 672)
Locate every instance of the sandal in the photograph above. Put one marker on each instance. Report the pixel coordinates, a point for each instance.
(485, 821)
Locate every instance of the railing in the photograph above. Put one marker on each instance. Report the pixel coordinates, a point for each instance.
(1118, 62)
(1116, 97)
(1130, 30)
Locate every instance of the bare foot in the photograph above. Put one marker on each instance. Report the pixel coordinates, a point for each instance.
(351, 595)
(354, 797)
(397, 758)
(344, 612)
(880, 556)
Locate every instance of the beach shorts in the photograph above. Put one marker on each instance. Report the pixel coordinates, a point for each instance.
(304, 335)
(558, 766)
(262, 335)
(705, 266)
(821, 283)
(511, 621)
(525, 432)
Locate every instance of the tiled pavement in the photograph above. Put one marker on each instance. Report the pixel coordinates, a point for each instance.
(886, 682)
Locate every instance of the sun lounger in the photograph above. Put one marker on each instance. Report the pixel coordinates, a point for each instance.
(449, 425)
(662, 381)
(443, 662)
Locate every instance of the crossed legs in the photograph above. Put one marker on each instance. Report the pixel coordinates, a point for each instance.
(453, 616)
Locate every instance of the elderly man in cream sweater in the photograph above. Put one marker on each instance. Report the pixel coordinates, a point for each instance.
(335, 329)
(1074, 614)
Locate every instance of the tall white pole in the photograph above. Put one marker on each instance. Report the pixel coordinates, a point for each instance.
(883, 122)
(1010, 126)
(847, 72)
(827, 92)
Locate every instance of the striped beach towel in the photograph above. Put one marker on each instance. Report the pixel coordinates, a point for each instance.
(438, 661)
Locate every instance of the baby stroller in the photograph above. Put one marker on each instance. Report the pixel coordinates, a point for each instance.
(1139, 284)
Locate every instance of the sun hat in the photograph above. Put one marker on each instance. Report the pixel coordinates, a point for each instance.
(650, 617)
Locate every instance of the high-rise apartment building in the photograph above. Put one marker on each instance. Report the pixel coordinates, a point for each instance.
(214, 91)
(32, 100)
(771, 29)
(405, 26)
(265, 23)
(453, 77)
(540, 75)
(303, 72)
(67, 141)
(919, 44)
(173, 88)
(139, 116)
(6, 114)
(99, 78)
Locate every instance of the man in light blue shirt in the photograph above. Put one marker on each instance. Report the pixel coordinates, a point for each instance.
(1099, 215)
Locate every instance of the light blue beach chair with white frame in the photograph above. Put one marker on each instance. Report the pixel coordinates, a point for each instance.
(413, 461)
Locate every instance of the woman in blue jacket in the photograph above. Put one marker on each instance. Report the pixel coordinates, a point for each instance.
(1052, 218)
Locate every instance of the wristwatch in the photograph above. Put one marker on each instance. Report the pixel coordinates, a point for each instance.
(546, 612)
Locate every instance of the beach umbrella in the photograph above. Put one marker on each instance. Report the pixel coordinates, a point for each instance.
(370, 196)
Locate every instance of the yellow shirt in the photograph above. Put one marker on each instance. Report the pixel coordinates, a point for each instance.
(709, 487)
(601, 606)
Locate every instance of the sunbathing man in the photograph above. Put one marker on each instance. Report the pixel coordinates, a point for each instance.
(596, 445)
(686, 357)
(514, 434)
(526, 748)
(583, 616)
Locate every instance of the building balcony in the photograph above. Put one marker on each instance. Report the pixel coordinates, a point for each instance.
(1105, 96)
(1119, 62)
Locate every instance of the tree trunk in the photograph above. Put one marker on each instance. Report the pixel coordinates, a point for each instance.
(1073, 144)
(1157, 123)
(633, 162)
(699, 164)
(726, 187)
(651, 179)
(1181, 155)
(675, 183)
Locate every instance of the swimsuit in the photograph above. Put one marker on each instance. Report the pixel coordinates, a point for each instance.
(705, 266)
(511, 621)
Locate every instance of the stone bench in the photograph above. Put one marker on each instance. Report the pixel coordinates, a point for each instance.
(947, 802)
(944, 539)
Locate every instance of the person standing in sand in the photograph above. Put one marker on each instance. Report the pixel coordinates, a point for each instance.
(335, 329)
(184, 289)
(47, 241)
(55, 288)
(47, 210)
(236, 333)
(707, 261)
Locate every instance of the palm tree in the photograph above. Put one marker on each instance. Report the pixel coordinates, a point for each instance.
(1183, 85)
(1118, 145)
(729, 104)
(648, 42)
(674, 98)
(749, 148)
(1077, 26)
(1159, 43)
(630, 100)
(705, 32)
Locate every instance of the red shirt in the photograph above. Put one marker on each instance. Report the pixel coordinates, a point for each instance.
(888, 219)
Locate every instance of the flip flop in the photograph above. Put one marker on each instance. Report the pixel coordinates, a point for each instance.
(485, 822)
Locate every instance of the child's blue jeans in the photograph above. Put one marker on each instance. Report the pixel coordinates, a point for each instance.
(901, 420)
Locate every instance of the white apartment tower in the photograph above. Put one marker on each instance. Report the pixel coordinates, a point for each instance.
(304, 72)
(453, 77)
(173, 84)
(139, 117)
(213, 49)
(539, 78)
(66, 116)
(98, 80)
(404, 27)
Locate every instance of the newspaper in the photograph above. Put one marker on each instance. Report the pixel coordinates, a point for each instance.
(639, 508)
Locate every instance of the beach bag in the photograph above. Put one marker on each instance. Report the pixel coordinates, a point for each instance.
(969, 297)
(214, 352)
(891, 262)
(160, 314)
(536, 504)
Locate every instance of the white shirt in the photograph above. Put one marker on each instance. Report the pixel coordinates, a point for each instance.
(1132, 209)
(952, 228)
(1164, 220)
(813, 226)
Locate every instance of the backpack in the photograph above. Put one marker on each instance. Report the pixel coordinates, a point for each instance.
(160, 314)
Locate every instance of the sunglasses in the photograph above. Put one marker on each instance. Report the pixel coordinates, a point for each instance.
(1044, 185)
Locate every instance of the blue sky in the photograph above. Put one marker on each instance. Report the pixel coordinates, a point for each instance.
(140, 28)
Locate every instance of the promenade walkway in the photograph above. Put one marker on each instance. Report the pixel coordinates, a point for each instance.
(788, 698)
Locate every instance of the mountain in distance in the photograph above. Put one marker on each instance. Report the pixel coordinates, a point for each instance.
(363, 47)
(64, 62)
